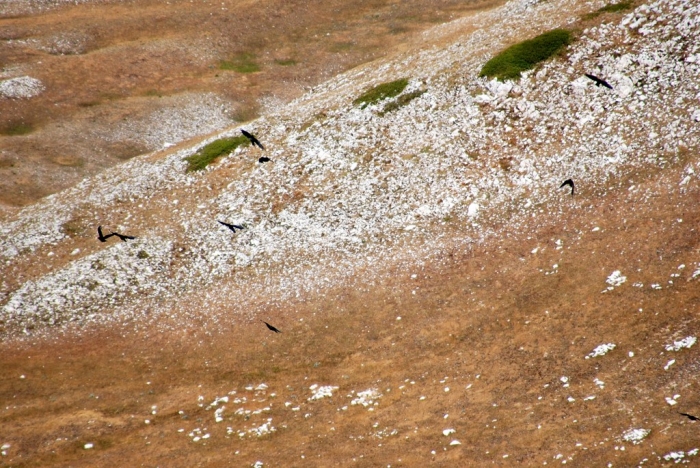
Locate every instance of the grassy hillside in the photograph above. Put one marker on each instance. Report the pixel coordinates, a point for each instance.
(440, 299)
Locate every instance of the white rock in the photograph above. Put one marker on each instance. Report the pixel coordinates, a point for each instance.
(23, 87)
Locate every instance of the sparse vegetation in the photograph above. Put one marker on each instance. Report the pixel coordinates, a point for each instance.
(340, 46)
(209, 153)
(510, 63)
(16, 128)
(241, 63)
(610, 8)
(381, 92)
(401, 101)
(285, 62)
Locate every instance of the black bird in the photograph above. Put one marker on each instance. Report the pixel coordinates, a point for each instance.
(123, 237)
(254, 141)
(263, 160)
(570, 183)
(101, 236)
(232, 227)
(690, 416)
(598, 81)
(271, 327)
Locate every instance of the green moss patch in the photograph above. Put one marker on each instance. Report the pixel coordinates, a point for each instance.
(241, 63)
(381, 92)
(510, 63)
(611, 8)
(209, 153)
(401, 101)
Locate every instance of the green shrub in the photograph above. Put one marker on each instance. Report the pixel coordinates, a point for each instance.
(511, 62)
(241, 63)
(611, 8)
(207, 154)
(383, 91)
(401, 101)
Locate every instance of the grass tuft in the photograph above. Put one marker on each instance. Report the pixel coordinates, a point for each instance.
(16, 128)
(401, 101)
(209, 153)
(383, 91)
(510, 63)
(285, 62)
(611, 8)
(241, 63)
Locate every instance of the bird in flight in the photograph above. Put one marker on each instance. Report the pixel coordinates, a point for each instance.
(598, 81)
(264, 159)
(254, 141)
(123, 237)
(232, 227)
(570, 183)
(101, 236)
(690, 416)
(271, 327)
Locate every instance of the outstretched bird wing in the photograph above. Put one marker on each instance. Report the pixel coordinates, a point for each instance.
(123, 237)
(570, 183)
(232, 227)
(598, 81)
(101, 236)
(271, 327)
(254, 141)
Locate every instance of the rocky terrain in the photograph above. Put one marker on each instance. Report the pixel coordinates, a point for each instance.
(87, 85)
(440, 299)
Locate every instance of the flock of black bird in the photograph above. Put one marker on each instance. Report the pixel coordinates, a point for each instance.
(255, 142)
(233, 227)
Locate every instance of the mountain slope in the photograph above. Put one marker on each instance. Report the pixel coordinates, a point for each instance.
(424, 257)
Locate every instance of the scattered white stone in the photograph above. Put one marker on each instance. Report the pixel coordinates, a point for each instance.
(635, 435)
(366, 398)
(321, 391)
(686, 342)
(455, 442)
(669, 364)
(88, 446)
(23, 87)
(601, 350)
(262, 430)
(678, 456)
(615, 279)
(447, 432)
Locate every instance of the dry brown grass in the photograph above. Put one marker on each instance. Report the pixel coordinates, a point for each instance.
(488, 311)
(137, 54)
